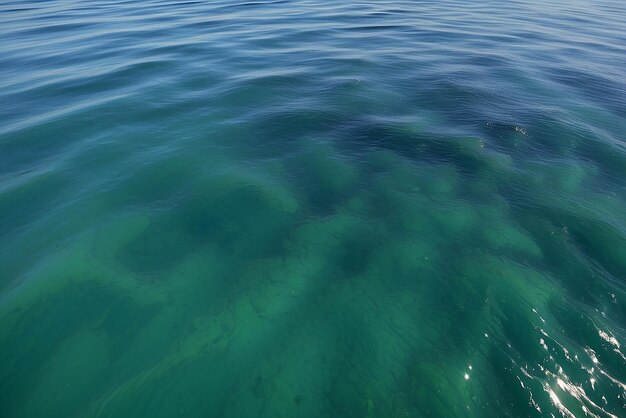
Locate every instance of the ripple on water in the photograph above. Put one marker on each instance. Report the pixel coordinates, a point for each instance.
(312, 208)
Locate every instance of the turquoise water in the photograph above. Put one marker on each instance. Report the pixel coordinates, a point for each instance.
(312, 208)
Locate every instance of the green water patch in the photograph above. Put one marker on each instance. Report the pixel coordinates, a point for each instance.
(74, 353)
(377, 284)
(322, 176)
(21, 205)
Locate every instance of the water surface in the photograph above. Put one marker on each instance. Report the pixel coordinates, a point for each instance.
(312, 208)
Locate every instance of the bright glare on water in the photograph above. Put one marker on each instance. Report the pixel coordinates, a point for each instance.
(313, 208)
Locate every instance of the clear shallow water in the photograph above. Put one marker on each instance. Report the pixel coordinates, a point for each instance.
(312, 208)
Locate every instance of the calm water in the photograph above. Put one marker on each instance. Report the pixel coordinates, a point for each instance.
(312, 208)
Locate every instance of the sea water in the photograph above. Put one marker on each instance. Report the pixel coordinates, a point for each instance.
(312, 208)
